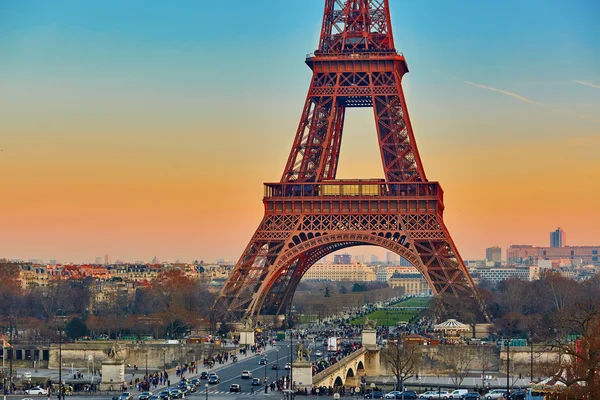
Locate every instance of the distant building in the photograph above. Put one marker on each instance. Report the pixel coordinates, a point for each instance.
(374, 258)
(558, 238)
(384, 273)
(498, 274)
(340, 272)
(98, 260)
(529, 255)
(493, 254)
(413, 284)
(342, 259)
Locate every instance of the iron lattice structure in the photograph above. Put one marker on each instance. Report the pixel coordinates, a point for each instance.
(309, 213)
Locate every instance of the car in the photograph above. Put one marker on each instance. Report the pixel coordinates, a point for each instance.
(408, 395)
(145, 396)
(471, 396)
(456, 394)
(235, 388)
(212, 374)
(495, 394)
(165, 395)
(154, 397)
(204, 375)
(435, 394)
(518, 396)
(176, 394)
(36, 390)
(376, 394)
(256, 382)
(318, 353)
(184, 389)
(287, 366)
(125, 396)
(391, 395)
(246, 374)
(195, 381)
(263, 361)
(213, 380)
(275, 366)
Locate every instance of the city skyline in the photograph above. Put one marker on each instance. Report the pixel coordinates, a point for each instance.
(146, 136)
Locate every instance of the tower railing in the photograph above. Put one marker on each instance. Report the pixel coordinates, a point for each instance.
(358, 188)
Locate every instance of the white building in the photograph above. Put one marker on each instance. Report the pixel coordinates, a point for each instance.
(357, 272)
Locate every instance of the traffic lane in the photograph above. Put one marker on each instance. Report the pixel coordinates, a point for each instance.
(233, 373)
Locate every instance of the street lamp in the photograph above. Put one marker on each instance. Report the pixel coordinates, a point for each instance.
(277, 365)
(402, 384)
(206, 390)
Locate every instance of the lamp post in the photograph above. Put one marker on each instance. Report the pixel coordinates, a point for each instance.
(402, 384)
(146, 364)
(164, 359)
(507, 366)
(206, 390)
(277, 365)
(59, 364)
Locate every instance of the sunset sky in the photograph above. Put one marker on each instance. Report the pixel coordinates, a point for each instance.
(147, 128)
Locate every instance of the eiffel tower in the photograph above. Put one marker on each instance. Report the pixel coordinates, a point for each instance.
(310, 214)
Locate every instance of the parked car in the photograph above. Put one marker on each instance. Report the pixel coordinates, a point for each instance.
(125, 396)
(246, 374)
(408, 395)
(495, 394)
(256, 382)
(145, 396)
(435, 395)
(376, 394)
(154, 397)
(213, 380)
(204, 375)
(471, 396)
(234, 388)
(518, 396)
(36, 390)
(456, 394)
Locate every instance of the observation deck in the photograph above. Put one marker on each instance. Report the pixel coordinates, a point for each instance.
(353, 196)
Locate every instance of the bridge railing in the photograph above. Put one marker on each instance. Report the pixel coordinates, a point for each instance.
(340, 364)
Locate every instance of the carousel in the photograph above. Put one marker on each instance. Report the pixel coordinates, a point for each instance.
(452, 330)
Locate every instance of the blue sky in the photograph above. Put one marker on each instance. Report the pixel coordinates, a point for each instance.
(210, 92)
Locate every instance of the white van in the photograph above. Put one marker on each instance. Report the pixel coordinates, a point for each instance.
(457, 394)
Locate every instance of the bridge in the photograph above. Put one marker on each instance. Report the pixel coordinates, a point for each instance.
(346, 372)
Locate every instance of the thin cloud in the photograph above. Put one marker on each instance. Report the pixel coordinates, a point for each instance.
(588, 84)
(516, 96)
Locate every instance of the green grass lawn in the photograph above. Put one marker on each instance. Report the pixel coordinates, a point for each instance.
(387, 318)
(413, 302)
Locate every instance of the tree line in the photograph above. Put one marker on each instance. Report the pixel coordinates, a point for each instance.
(170, 307)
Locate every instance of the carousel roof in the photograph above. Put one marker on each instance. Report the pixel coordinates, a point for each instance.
(451, 324)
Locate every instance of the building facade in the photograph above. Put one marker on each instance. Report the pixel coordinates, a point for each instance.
(529, 255)
(493, 254)
(498, 274)
(356, 272)
(558, 238)
(413, 284)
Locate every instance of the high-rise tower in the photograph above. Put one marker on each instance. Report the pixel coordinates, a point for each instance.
(309, 214)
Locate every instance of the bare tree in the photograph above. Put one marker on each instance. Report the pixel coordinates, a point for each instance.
(459, 359)
(403, 359)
